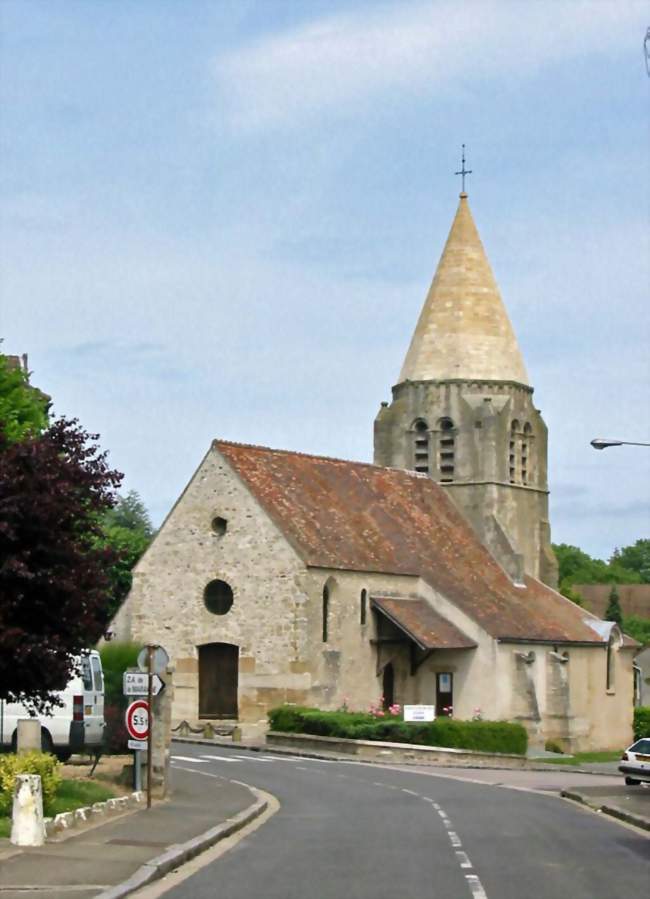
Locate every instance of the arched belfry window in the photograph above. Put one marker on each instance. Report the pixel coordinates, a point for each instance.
(513, 451)
(421, 446)
(526, 453)
(446, 450)
(520, 452)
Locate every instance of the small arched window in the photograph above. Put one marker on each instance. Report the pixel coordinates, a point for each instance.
(610, 681)
(363, 607)
(421, 446)
(326, 613)
(446, 450)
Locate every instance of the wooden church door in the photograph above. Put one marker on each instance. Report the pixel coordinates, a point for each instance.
(218, 680)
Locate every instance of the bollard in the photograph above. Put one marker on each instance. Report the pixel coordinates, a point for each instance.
(27, 826)
(28, 737)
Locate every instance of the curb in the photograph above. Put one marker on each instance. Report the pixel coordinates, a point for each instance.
(177, 855)
(65, 821)
(612, 810)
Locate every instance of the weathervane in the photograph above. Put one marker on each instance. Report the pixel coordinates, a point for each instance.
(463, 170)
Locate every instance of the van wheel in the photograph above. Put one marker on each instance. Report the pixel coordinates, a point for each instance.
(62, 755)
(631, 782)
(46, 741)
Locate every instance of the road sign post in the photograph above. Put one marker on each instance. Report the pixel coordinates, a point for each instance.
(138, 725)
(150, 651)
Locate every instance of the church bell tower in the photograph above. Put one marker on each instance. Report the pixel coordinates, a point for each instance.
(462, 411)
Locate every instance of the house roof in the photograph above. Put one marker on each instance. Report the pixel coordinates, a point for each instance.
(422, 624)
(360, 517)
(464, 330)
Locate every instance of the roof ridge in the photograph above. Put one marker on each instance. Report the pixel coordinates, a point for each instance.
(304, 455)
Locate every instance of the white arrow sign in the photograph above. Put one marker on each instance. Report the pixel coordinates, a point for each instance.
(134, 683)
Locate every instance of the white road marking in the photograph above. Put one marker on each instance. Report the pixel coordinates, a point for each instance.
(410, 792)
(204, 773)
(217, 758)
(463, 859)
(475, 886)
(189, 758)
(252, 758)
(455, 839)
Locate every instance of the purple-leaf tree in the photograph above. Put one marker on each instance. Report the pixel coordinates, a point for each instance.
(54, 568)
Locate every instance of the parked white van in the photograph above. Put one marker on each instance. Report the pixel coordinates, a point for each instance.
(75, 726)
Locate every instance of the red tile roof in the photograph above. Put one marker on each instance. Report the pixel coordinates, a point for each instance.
(360, 517)
(422, 623)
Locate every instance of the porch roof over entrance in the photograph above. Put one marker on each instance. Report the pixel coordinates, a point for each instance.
(421, 623)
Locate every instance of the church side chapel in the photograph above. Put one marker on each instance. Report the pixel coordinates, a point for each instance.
(427, 577)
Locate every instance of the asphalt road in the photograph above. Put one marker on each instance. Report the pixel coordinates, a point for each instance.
(352, 831)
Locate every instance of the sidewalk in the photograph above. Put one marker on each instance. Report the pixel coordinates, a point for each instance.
(139, 846)
(630, 804)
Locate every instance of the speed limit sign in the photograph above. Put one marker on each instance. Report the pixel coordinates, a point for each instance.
(137, 719)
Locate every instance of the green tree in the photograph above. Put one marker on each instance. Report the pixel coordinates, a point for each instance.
(128, 531)
(578, 567)
(614, 611)
(634, 558)
(23, 409)
(638, 628)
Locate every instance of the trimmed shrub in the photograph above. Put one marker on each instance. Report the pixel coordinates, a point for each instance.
(484, 736)
(641, 722)
(31, 763)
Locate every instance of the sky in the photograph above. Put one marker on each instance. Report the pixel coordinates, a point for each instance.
(220, 219)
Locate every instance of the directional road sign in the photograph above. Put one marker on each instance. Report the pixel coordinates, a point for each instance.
(134, 683)
(137, 719)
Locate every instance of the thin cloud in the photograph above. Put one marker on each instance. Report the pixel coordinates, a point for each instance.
(332, 63)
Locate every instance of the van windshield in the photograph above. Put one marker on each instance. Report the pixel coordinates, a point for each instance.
(97, 674)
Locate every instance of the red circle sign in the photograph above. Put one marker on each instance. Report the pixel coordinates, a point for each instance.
(137, 719)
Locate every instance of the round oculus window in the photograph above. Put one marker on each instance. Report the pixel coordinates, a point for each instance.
(218, 597)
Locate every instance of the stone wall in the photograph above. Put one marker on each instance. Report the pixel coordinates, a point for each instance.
(268, 616)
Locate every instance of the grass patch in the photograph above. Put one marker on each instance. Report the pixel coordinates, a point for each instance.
(71, 794)
(581, 758)
(74, 794)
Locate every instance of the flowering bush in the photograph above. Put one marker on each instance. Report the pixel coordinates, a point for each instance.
(447, 711)
(477, 714)
(377, 709)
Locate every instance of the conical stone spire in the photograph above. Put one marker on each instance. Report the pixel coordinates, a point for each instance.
(464, 330)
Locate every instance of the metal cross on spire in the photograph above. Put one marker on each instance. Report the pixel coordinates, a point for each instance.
(463, 170)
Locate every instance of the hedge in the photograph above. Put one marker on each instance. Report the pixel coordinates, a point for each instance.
(485, 736)
(641, 721)
(116, 658)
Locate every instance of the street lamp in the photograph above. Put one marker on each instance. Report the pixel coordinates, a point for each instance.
(600, 443)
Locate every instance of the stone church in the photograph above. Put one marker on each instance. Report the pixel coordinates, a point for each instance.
(426, 577)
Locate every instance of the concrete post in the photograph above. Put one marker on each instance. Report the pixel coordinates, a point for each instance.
(28, 736)
(162, 734)
(27, 826)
